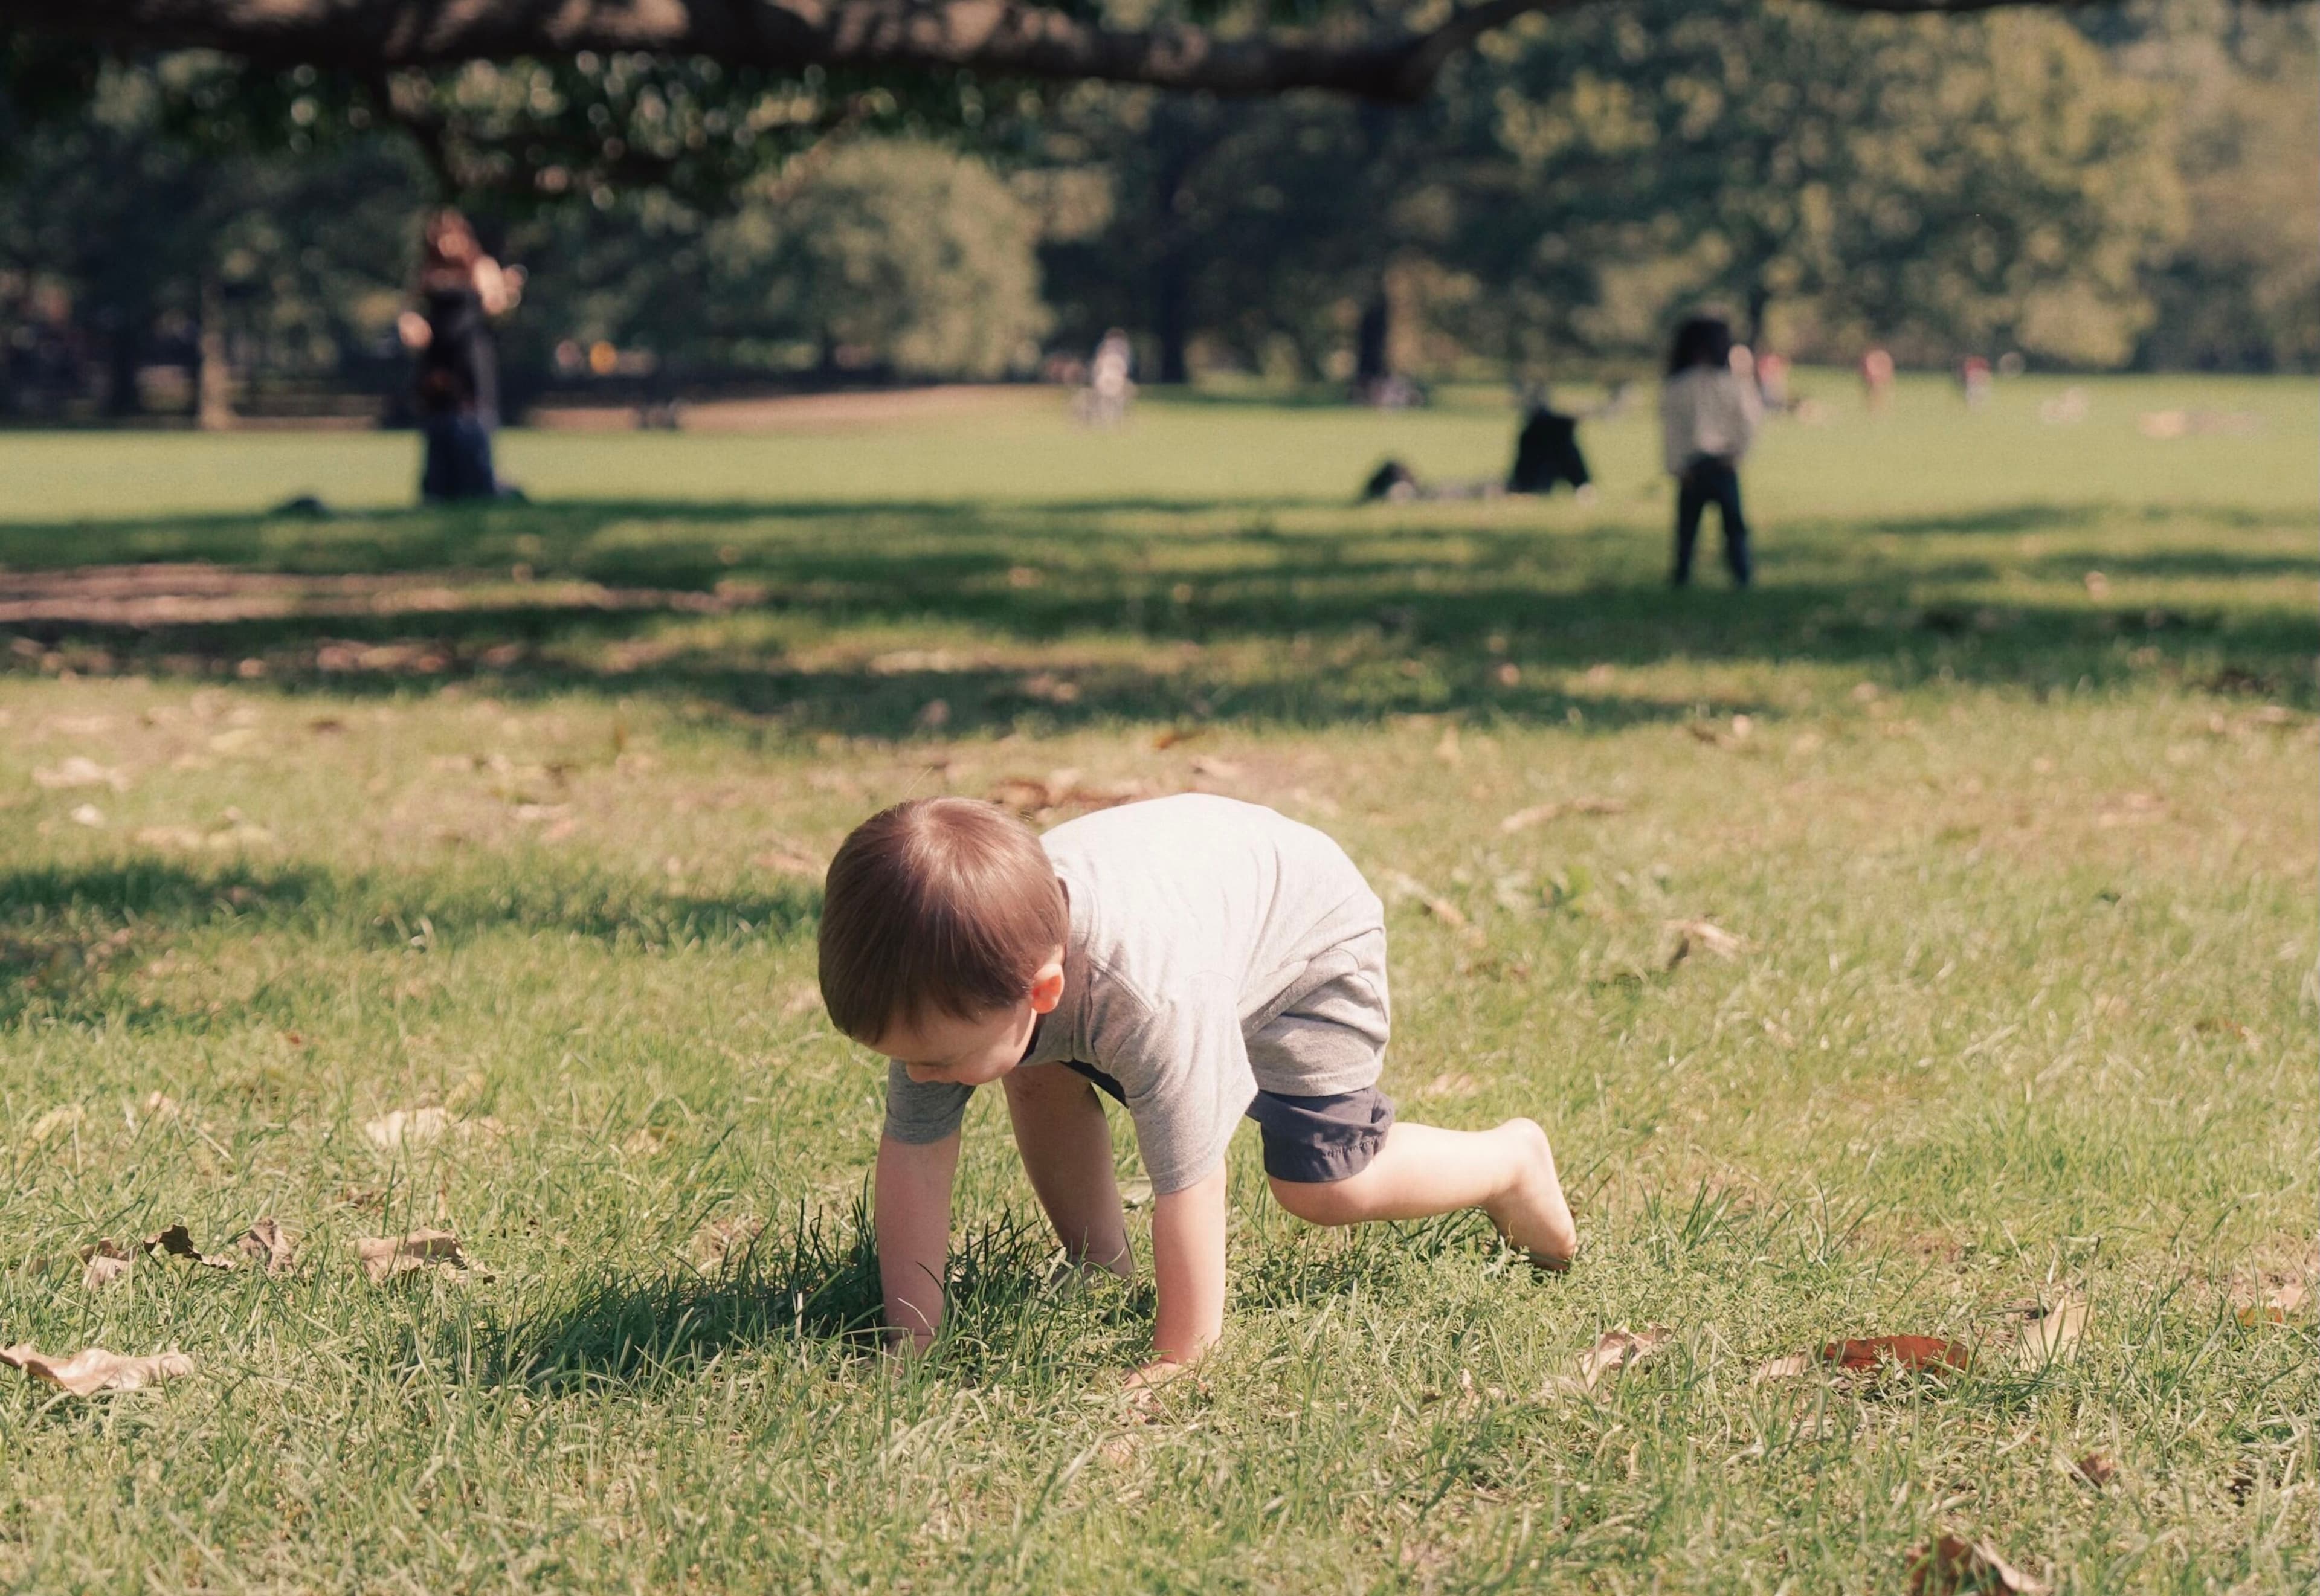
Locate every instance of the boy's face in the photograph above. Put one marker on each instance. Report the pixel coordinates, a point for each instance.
(944, 1048)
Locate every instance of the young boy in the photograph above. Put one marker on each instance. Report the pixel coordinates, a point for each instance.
(1196, 957)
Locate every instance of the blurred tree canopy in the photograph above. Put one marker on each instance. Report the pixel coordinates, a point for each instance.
(2137, 186)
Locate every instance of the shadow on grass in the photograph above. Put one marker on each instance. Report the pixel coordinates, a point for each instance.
(1169, 614)
(67, 932)
(811, 1278)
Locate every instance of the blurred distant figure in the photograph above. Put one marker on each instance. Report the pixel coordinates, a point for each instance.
(1547, 452)
(1111, 388)
(1877, 378)
(461, 289)
(1772, 381)
(1709, 416)
(1973, 378)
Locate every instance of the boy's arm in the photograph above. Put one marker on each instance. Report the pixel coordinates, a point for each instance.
(1188, 1266)
(912, 1207)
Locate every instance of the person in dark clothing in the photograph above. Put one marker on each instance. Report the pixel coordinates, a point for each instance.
(1708, 417)
(1547, 452)
(461, 289)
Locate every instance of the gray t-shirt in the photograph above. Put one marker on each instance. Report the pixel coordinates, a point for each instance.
(1195, 921)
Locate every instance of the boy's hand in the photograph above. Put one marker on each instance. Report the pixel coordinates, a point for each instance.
(1188, 1266)
(913, 1207)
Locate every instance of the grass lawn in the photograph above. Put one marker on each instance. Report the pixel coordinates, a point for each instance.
(2001, 783)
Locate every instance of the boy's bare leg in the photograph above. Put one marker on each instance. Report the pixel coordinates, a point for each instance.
(1066, 1148)
(1508, 1173)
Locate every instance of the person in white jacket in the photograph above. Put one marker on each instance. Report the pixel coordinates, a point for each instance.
(1708, 414)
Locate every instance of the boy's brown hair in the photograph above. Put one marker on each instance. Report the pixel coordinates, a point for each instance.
(941, 904)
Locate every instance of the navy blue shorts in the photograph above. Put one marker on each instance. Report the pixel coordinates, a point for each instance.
(1307, 1140)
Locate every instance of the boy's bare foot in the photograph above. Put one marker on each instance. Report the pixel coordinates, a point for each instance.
(1533, 1216)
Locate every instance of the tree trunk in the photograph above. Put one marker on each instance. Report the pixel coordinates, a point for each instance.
(1171, 313)
(124, 354)
(1374, 340)
(214, 375)
(1759, 299)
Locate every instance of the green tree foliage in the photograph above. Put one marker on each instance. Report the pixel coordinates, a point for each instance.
(2243, 289)
(152, 225)
(905, 252)
(888, 254)
(1938, 183)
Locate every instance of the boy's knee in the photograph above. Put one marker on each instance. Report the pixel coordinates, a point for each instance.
(1317, 1202)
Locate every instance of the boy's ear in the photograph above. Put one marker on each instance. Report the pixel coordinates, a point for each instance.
(1048, 986)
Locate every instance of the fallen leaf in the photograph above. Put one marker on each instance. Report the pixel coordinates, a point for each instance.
(410, 1128)
(1538, 814)
(395, 1257)
(2276, 1308)
(1451, 1083)
(1613, 1351)
(87, 814)
(2047, 1334)
(647, 1141)
(1952, 1565)
(265, 1243)
(1216, 768)
(1710, 938)
(80, 771)
(1905, 1352)
(178, 1242)
(1787, 1367)
(784, 860)
(56, 1120)
(1866, 1355)
(1168, 736)
(2095, 1469)
(1405, 884)
(1135, 1193)
(86, 1372)
(721, 1242)
(104, 1263)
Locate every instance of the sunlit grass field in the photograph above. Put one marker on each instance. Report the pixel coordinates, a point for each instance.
(2001, 783)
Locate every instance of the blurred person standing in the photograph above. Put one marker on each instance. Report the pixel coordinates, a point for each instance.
(448, 329)
(1112, 385)
(1709, 415)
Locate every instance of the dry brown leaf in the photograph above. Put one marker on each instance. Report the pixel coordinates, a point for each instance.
(1706, 936)
(1538, 814)
(410, 1128)
(395, 1258)
(56, 1120)
(86, 1372)
(2047, 1334)
(1135, 1193)
(1405, 884)
(266, 1242)
(1216, 768)
(721, 1242)
(783, 859)
(1787, 1367)
(1613, 1351)
(104, 1263)
(178, 1242)
(80, 771)
(1954, 1566)
(1902, 1352)
(2277, 1308)
(1868, 1354)
(2095, 1469)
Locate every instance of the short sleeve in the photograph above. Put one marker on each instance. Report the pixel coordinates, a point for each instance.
(1194, 1087)
(922, 1112)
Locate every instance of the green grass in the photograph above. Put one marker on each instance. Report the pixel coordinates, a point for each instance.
(2022, 860)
